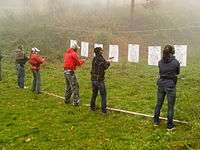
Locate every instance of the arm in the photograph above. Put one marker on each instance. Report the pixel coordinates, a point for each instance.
(105, 63)
(178, 68)
(78, 61)
(40, 59)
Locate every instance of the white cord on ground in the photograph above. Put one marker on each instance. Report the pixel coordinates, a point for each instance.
(120, 110)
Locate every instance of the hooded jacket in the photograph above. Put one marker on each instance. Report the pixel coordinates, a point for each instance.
(71, 60)
(168, 71)
(99, 65)
(35, 60)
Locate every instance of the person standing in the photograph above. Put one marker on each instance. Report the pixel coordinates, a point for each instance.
(21, 60)
(99, 65)
(0, 66)
(169, 68)
(36, 60)
(71, 61)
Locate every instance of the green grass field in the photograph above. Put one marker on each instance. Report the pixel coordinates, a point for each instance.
(29, 121)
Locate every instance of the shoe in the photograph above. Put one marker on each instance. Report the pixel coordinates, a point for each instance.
(66, 102)
(25, 87)
(76, 104)
(171, 127)
(156, 122)
(38, 92)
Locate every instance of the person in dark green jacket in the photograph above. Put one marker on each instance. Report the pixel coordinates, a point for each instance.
(99, 65)
(169, 68)
(21, 60)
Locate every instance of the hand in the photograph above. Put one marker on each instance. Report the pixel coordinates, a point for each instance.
(110, 59)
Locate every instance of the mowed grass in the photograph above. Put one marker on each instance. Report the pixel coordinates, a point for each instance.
(29, 121)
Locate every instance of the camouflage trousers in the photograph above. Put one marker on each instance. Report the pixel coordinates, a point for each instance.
(71, 88)
(20, 75)
(36, 82)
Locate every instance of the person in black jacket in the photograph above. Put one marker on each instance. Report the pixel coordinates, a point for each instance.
(169, 68)
(99, 65)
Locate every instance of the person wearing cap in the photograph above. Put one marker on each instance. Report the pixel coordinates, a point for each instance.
(71, 61)
(36, 60)
(20, 60)
(169, 68)
(99, 65)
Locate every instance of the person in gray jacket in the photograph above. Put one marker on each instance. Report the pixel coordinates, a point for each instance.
(21, 60)
(169, 68)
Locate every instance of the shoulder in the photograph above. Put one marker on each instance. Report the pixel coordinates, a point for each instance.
(176, 61)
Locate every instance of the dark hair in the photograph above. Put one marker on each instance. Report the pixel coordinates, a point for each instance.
(97, 50)
(169, 49)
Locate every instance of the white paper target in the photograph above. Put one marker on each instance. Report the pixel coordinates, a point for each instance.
(181, 54)
(98, 45)
(133, 53)
(72, 42)
(154, 55)
(84, 49)
(114, 52)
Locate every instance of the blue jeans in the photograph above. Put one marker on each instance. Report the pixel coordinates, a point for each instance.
(98, 86)
(20, 75)
(36, 82)
(171, 97)
(71, 88)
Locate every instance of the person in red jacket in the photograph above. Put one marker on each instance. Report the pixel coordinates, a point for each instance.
(71, 61)
(36, 60)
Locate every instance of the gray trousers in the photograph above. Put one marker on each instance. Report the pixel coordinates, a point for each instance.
(71, 88)
(170, 92)
(20, 75)
(36, 82)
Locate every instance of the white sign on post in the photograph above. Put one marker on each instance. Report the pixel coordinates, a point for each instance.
(84, 49)
(154, 55)
(181, 54)
(133, 53)
(72, 42)
(114, 52)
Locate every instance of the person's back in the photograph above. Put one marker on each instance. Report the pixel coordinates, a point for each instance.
(71, 60)
(99, 65)
(169, 68)
(35, 60)
(168, 71)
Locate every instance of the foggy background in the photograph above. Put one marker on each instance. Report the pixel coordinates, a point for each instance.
(50, 24)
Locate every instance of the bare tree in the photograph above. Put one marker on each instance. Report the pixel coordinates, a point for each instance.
(132, 12)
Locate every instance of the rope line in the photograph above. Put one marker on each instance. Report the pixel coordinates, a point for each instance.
(120, 110)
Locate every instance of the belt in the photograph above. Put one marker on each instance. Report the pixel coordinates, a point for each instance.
(69, 71)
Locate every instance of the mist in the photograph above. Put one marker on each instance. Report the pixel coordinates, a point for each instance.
(51, 23)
